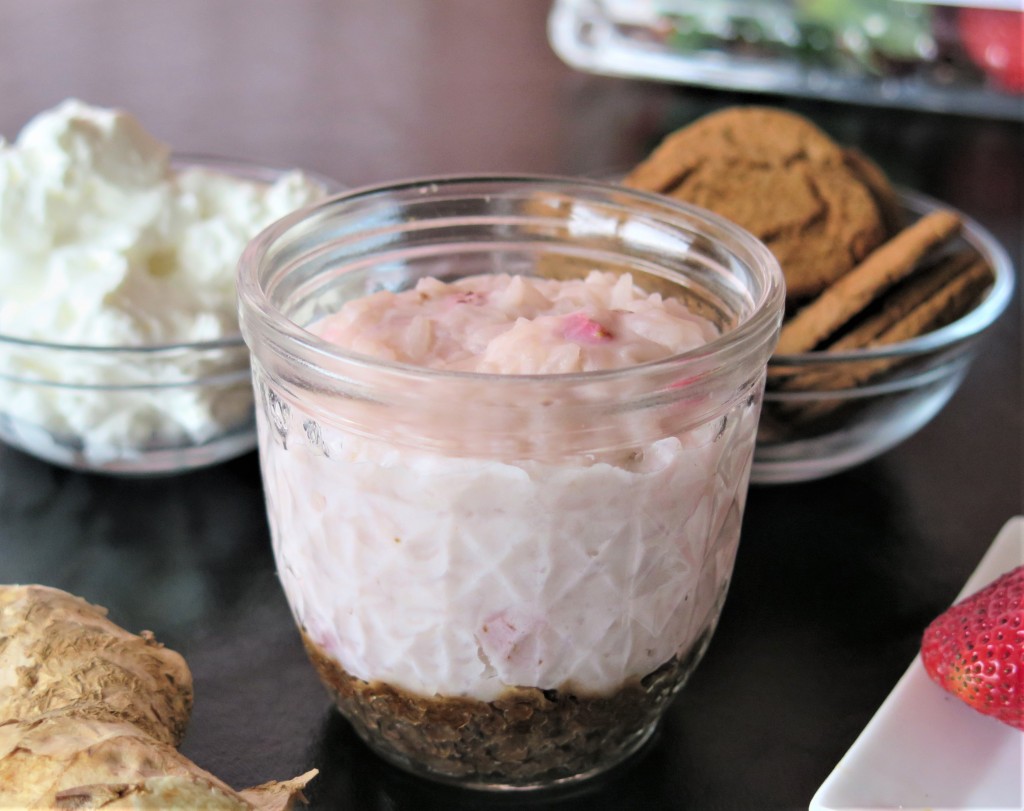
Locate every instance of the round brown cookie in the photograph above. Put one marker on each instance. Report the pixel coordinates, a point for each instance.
(749, 134)
(780, 177)
(817, 219)
(872, 176)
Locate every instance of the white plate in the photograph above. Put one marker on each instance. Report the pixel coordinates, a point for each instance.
(926, 749)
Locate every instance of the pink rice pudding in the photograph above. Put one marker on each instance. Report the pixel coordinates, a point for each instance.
(518, 325)
(454, 579)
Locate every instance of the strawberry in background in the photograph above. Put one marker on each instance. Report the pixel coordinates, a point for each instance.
(994, 40)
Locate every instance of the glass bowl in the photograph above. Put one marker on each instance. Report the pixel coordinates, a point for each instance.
(809, 432)
(161, 409)
(134, 410)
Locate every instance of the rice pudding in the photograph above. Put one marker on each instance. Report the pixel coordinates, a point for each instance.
(505, 429)
(450, 577)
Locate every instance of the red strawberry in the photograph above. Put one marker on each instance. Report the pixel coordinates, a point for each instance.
(975, 650)
(994, 39)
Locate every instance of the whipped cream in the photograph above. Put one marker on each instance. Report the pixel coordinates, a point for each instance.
(105, 242)
(452, 574)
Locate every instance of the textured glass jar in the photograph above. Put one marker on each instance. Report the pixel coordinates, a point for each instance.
(504, 579)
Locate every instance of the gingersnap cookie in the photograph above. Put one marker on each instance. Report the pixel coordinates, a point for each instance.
(781, 178)
(953, 288)
(948, 303)
(923, 285)
(872, 176)
(745, 134)
(885, 266)
(934, 296)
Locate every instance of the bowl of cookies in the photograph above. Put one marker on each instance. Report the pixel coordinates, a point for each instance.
(889, 293)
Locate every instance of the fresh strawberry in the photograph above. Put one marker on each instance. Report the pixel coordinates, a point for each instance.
(975, 650)
(994, 39)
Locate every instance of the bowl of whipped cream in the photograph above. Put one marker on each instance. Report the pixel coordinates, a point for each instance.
(120, 350)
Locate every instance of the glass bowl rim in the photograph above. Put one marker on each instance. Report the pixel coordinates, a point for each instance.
(766, 309)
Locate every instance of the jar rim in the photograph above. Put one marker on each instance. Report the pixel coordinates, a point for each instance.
(756, 330)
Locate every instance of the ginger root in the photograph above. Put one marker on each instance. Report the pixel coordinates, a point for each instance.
(91, 715)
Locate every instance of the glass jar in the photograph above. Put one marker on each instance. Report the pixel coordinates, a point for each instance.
(504, 579)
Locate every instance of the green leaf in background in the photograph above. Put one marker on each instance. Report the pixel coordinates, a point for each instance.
(890, 29)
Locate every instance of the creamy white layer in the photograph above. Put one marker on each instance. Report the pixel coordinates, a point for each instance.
(462, 577)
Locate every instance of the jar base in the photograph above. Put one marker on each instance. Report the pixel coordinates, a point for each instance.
(537, 788)
(525, 740)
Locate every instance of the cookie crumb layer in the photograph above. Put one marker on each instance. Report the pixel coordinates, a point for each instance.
(525, 737)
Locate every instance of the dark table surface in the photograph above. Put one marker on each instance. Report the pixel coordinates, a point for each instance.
(835, 579)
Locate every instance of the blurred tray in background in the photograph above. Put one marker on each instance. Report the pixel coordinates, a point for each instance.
(964, 58)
